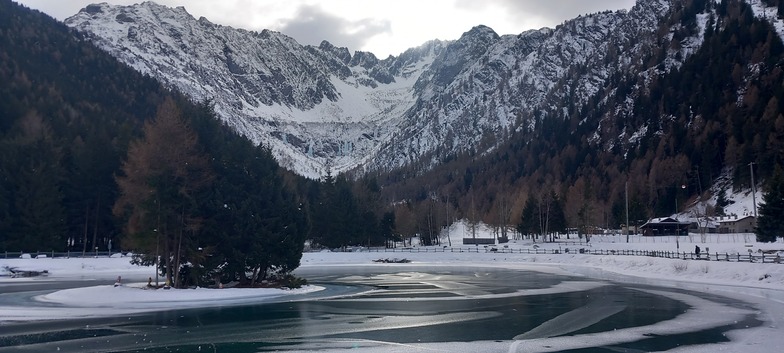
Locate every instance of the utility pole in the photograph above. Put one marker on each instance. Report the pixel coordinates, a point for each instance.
(676, 202)
(753, 189)
(626, 188)
(473, 219)
(448, 222)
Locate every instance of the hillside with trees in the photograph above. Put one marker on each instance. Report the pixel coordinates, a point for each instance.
(97, 157)
(68, 114)
(712, 116)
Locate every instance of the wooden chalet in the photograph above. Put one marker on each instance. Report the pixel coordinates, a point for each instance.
(665, 226)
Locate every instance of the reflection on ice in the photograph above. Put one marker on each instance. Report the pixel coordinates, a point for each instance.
(703, 315)
(419, 286)
(134, 337)
(580, 318)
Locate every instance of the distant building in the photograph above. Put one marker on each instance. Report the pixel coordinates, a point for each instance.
(629, 230)
(735, 224)
(665, 226)
(478, 241)
(702, 224)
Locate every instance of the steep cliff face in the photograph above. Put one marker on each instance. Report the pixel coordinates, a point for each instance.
(314, 106)
(499, 85)
(323, 107)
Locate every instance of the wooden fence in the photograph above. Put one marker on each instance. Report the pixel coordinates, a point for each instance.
(739, 257)
(54, 254)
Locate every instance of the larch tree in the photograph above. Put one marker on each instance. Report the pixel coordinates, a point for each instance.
(162, 173)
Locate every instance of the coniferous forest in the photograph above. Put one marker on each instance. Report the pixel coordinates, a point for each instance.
(96, 156)
(717, 114)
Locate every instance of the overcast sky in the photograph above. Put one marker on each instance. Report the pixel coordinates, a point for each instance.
(383, 27)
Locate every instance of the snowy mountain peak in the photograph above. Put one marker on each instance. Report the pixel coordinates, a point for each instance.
(341, 53)
(322, 107)
(480, 33)
(313, 106)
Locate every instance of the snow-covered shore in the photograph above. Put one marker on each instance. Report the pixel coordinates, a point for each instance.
(130, 298)
(768, 275)
(722, 273)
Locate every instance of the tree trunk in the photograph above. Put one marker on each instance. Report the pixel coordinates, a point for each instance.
(254, 277)
(179, 249)
(86, 220)
(168, 254)
(177, 260)
(95, 223)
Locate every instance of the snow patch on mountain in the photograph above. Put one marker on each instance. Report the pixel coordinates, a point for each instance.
(320, 107)
(769, 14)
(313, 106)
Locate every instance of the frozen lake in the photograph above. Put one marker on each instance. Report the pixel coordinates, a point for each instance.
(410, 308)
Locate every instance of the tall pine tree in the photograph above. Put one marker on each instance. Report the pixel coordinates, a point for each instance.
(770, 224)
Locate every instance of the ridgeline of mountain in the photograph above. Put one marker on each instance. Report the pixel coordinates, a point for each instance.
(321, 106)
(313, 106)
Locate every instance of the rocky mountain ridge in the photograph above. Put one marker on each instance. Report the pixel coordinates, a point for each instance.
(310, 104)
(323, 109)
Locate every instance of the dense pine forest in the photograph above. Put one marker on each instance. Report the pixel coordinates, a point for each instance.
(96, 157)
(711, 117)
(68, 114)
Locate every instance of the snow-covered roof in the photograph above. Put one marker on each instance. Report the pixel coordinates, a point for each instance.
(666, 220)
(734, 219)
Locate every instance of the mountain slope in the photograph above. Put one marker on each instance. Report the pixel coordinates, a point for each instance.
(309, 104)
(322, 108)
(88, 153)
(702, 102)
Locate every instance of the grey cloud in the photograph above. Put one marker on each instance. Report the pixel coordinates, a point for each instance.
(551, 11)
(311, 25)
(58, 9)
